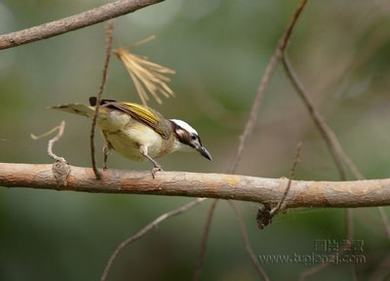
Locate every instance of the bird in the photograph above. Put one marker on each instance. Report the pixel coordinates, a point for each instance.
(138, 132)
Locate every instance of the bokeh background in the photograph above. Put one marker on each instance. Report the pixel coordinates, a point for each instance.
(341, 51)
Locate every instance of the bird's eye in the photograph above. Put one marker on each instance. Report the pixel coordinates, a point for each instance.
(193, 137)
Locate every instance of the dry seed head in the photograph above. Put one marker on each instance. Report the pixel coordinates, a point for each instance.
(148, 77)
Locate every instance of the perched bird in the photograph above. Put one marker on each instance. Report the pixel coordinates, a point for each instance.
(138, 132)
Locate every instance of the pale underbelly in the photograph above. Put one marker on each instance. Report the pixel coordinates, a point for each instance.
(127, 142)
(126, 136)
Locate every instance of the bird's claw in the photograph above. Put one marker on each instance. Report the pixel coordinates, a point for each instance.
(156, 169)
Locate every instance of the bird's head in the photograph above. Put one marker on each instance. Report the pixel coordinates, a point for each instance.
(188, 137)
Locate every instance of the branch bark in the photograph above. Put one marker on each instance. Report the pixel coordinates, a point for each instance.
(360, 193)
(87, 18)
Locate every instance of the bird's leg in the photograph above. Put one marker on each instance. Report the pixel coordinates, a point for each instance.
(156, 167)
(106, 152)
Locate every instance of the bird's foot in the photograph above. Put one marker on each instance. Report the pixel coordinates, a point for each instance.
(155, 169)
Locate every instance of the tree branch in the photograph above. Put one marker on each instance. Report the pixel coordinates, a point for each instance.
(203, 242)
(244, 233)
(265, 79)
(107, 57)
(330, 137)
(361, 193)
(145, 230)
(249, 125)
(87, 18)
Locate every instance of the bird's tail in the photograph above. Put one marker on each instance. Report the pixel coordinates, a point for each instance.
(76, 108)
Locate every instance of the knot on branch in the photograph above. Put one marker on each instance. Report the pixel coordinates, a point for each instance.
(265, 213)
(264, 216)
(61, 171)
(60, 168)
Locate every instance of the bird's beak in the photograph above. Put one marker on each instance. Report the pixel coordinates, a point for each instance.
(203, 151)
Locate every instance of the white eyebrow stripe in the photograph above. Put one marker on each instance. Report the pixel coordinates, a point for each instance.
(185, 126)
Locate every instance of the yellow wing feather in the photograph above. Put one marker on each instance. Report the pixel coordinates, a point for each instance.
(147, 116)
(143, 112)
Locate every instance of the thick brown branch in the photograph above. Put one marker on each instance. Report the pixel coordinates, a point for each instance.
(90, 17)
(360, 193)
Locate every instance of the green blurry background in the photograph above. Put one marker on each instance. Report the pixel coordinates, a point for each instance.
(341, 50)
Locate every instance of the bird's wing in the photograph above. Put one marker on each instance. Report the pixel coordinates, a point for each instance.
(145, 115)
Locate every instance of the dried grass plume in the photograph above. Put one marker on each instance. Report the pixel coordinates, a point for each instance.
(148, 77)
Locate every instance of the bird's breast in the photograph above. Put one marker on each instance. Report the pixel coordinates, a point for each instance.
(128, 139)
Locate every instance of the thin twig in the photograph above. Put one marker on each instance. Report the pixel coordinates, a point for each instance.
(109, 30)
(348, 213)
(333, 145)
(349, 224)
(385, 220)
(337, 151)
(60, 167)
(326, 132)
(143, 41)
(265, 214)
(269, 70)
(338, 154)
(84, 19)
(203, 243)
(249, 125)
(60, 131)
(244, 233)
(281, 203)
(145, 230)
